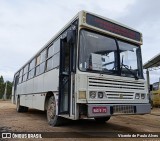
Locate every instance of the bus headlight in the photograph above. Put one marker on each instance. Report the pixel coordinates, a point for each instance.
(137, 96)
(82, 94)
(92, 94)
(142, 96)
(100, 94)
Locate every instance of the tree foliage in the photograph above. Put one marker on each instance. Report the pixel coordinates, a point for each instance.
(2, 88)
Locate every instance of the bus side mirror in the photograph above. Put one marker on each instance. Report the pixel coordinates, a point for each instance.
(71, 36)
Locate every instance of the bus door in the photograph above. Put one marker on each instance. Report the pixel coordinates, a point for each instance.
(66, 67)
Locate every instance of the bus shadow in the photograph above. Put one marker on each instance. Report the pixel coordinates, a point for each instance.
(36, 113)
(92, 125)
(84, 125)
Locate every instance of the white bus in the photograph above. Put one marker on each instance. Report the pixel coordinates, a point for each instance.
(91, 69)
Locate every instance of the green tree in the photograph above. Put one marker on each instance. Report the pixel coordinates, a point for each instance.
(9, 89)
(2, 86)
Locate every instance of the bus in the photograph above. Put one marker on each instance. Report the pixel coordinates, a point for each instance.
(92, 68)
(155, 94)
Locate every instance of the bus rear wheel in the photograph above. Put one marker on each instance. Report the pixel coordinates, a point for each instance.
(52, 118)
(101, 119)
(20, 108)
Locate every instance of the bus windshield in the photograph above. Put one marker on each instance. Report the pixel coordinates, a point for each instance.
(102, 54)
(155, 86)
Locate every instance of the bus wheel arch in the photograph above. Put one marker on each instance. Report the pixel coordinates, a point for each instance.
(52, 117)
(47, 97)
(20, 108)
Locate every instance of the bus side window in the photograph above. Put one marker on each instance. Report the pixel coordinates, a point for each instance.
(50, 51)
(56, 53)
(56, 60)
(31, 69)
(53, 55)
(37, 65)
(42, 61)
(49, 64)
(25, 72)
(20, 76)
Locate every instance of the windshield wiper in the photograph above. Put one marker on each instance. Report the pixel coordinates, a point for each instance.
(135, 76)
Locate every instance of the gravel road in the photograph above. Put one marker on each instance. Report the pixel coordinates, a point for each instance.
(35, 121)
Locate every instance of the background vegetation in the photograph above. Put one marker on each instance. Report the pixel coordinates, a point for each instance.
(2, 88)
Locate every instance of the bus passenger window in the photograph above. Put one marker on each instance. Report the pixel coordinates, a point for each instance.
(42, 68)
(56, 60)
(43, 56)
(50, 51)
(56, 46)
(37, 65)
(20, 76)
(38, 60)
(49, 64)
(25, 72)
(31, 69)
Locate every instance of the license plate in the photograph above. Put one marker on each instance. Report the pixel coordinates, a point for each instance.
(99, 110)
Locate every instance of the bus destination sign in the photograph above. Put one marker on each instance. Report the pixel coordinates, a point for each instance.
(112, 27)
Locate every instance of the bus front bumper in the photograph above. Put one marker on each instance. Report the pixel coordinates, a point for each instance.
(103, 110)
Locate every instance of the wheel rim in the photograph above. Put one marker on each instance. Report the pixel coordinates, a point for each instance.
(51, 111)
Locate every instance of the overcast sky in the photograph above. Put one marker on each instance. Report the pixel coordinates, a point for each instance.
(26, 25)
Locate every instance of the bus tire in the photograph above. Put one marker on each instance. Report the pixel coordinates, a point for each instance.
(52, 118)
(101, 119)
(20, 108)
(25, 109)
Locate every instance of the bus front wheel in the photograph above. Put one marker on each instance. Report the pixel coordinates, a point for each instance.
(52, 118)
(101, 119)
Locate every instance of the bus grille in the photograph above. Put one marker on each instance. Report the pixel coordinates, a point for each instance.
(123, 109)
(119, 95)
(116, 89)
(115, 84)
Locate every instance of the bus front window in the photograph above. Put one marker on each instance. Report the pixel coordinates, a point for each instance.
(101, 54)
(97, 53)
(130, 60)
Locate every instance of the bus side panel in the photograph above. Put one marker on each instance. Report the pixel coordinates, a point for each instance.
(22, 100)
(38, 84)
(30, 86)
(32, 92)
(51, 80)
(28, 100)
(38, 101)
(19, 89)
(47, 82)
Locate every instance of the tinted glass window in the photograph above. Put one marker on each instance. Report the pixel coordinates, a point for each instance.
(43, 56)
(49, 64)
(37, 70)
(38, 60)
(42, 68)
(50, 51)
(32, 64)
(56, 60)
(31, 73)
(25, 69)
(56, 46)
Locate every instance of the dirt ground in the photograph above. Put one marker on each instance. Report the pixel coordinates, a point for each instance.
(35, 121)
